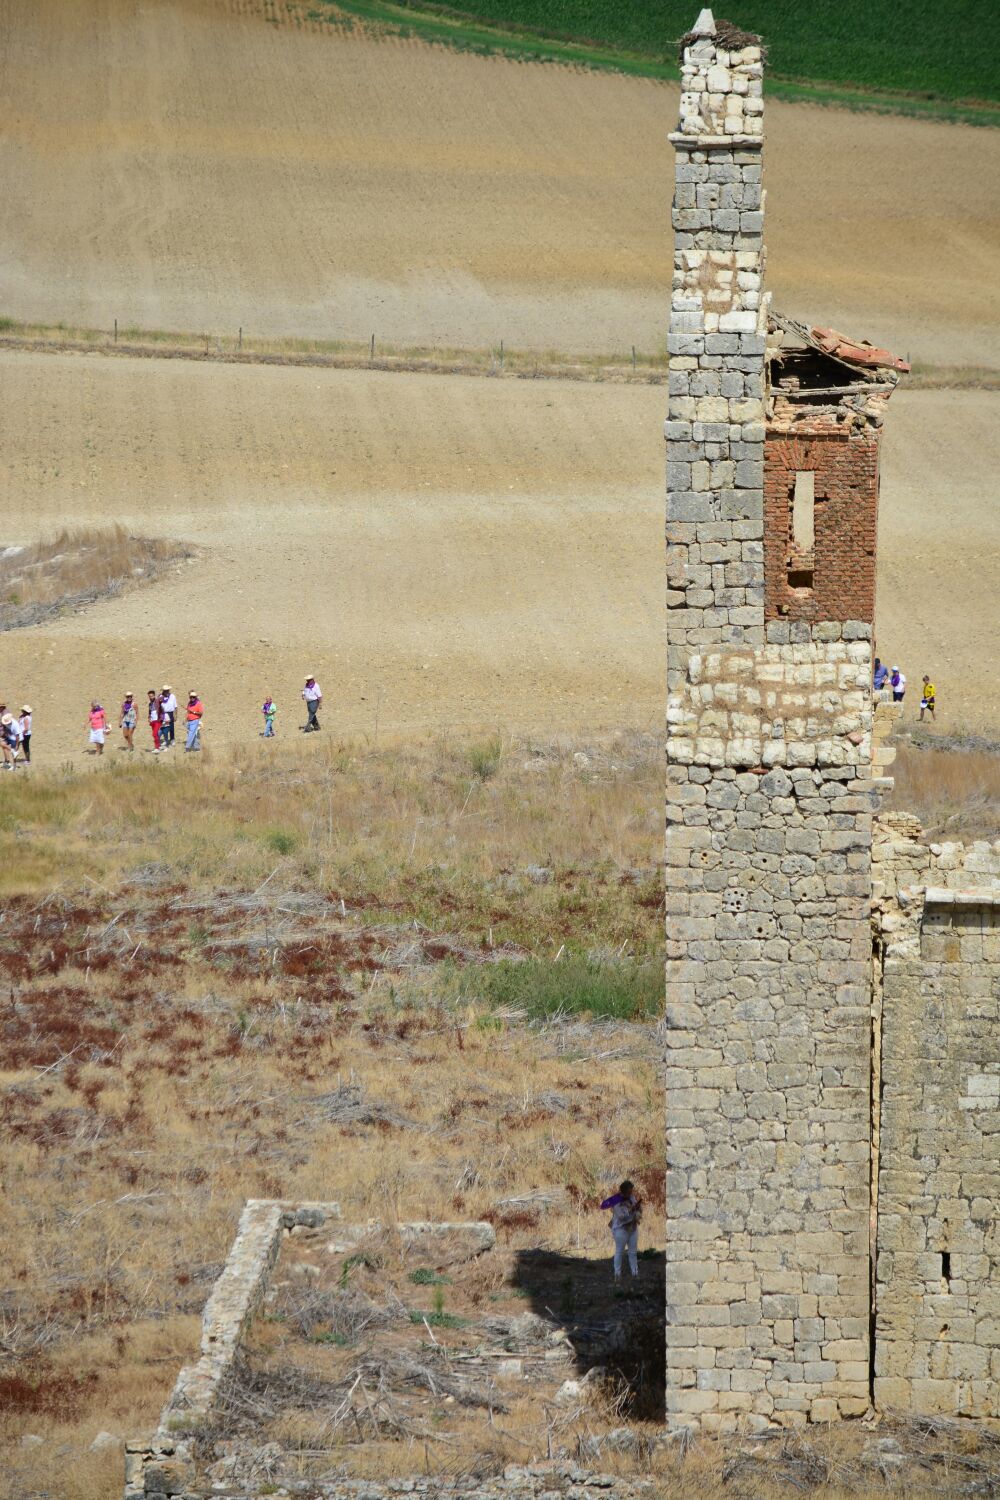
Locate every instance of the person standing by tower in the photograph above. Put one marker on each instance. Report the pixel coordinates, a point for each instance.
(626, 1215)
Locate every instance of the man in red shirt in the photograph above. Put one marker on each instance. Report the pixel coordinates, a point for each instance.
(194, 711)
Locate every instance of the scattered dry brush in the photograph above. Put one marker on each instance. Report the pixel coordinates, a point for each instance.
(77, 567)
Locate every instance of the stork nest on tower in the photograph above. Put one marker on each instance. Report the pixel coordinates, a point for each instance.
(728, 36)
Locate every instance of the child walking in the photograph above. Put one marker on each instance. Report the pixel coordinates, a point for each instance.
(98, 727)
(928, 697)
(626, 1215)
(269, 709)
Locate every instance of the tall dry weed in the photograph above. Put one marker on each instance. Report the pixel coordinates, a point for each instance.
(955, 793)
(78, 565)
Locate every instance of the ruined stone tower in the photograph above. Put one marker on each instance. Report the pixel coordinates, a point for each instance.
(772, 484)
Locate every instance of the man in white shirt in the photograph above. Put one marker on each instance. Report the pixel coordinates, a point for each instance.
(168, 704)
(313, 695)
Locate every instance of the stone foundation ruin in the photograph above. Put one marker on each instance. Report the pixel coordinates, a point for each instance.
(827, 1110)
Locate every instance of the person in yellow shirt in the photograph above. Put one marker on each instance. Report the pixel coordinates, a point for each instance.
(927, 697)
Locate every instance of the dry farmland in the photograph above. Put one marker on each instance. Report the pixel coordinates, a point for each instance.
(439, 550)
(199, 167)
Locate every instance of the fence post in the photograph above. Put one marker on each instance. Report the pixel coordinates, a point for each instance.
(371, 357)
(116, 330)
(633, 358)
(240, 340)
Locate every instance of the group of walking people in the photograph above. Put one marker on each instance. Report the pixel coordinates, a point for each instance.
(161, 710)
(889, 685)
(15, 737)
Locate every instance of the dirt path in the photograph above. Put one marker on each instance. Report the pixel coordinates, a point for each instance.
(446, 550)
(185, 164)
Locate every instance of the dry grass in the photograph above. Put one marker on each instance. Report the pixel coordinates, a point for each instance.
(497, 361)
(250, 938)
(206, 1019)
(561, 844)
(954, 792)
(78, 566)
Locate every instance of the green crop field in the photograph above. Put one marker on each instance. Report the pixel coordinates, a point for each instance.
(921, 57)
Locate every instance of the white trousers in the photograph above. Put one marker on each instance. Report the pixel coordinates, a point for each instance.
(626, 1239)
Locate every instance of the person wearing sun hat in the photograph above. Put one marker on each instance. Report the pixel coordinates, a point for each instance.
(195, 709)
(10, 740)
(25, 727)
(168, 705)
(313, 695)
(98, 721)
(128, 719)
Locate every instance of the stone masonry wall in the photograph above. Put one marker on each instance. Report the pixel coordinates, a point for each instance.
(770, 803)
(938, 1262)
(715, 422)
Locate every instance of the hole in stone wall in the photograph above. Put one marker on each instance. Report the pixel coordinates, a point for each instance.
(800, 578)
(946, 1266)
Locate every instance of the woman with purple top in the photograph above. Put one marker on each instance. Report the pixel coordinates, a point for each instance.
(626, 1215)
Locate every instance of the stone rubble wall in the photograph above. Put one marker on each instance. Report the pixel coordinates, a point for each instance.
(164, 1465)
(937, 1294)
(234, 1299)
(536, 1481)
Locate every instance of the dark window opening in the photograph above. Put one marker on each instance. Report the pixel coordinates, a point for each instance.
(946, 1265)
(800, 578)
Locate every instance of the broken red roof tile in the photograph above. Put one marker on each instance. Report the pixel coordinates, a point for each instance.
(856, 351)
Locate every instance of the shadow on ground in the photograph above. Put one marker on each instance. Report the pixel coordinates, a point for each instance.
(621, 1331)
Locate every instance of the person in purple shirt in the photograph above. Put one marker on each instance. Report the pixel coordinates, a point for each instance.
(626, 1215)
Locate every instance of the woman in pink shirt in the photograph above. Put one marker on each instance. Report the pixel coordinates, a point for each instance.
(98, 725)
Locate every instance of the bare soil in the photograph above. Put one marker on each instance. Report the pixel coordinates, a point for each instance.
(208, 164)
(440, 551)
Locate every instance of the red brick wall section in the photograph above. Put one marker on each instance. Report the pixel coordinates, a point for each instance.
(846, 523)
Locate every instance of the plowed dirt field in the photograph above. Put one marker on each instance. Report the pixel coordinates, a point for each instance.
(205, 165)
(439, 550)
